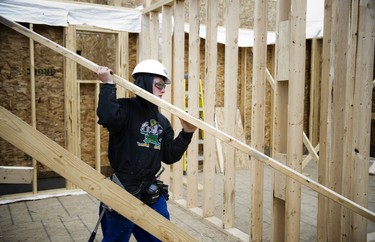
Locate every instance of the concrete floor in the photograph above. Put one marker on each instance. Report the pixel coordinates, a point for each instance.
(73, 217)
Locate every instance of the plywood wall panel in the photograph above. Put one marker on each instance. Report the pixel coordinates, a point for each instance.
(14, 63)
(15, 88)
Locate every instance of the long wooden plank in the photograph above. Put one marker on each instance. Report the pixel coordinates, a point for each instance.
(193, 102)
(178, 86)
(209, 107)
(297, 54)
(351, 116)
(97, 132)
(200, 124)
(33, 107)
(362, 113)
(51, 154)
(153, 35)
(230, 107)
(71, 94)
(325, 123)
(122, 60)
(143, 49)
(258, 117)
(338, 74)
(166, 59)
(280, 123)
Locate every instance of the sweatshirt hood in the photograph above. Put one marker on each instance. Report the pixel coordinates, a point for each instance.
(145, 82)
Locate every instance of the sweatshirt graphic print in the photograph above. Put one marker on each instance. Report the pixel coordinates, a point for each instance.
(151, 131)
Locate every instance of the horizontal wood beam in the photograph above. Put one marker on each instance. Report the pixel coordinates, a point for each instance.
(34, 143)
(16, 174)
(299, 177)
(156, 7)
(89, 81)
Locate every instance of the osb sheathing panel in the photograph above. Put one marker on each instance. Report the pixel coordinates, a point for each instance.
(101, 49)
(15, 88)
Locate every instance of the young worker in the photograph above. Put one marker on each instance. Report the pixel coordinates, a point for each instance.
(140, 138)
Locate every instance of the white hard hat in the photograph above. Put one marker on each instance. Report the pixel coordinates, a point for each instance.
(151, 66)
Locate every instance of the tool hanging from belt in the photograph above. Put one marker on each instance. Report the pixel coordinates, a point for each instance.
(115, 179)
(162, 187)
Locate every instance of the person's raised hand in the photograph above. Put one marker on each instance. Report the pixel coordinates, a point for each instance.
(105, 74)
(188, 127)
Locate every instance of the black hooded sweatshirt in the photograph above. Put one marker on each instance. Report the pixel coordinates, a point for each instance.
(140, 137)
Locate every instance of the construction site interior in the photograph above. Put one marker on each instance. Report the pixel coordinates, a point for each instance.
(281, 91)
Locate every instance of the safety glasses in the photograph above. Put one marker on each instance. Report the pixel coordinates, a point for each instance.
(160, 85)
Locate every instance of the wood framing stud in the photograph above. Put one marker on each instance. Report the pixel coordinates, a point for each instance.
(299, 177)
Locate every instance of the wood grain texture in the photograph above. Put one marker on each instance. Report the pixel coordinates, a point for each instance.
(51, 154)
(299, 177)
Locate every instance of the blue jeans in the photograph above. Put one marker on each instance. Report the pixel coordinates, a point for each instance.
(115, 227)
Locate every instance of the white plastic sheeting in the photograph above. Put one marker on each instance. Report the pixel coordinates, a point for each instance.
(57, 13)
(314, 27)
(121, 19)
(245, 36)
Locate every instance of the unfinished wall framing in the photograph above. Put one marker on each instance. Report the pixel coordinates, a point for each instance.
(276, 87)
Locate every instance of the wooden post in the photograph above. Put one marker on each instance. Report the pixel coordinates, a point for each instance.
(122, 60)
(295, 116)
(97, 132)
(258, 117)
(364, 63)
(33, 108)
(346, 230)
(144, 39)
(153, 36)
(338, 65)
(209, 108)
(326, 124)
(178, 86)
(166, 59)
(122, 67)
(244, 103)
(193, 101)
(230, 106)
(280, 124)
(71, 94)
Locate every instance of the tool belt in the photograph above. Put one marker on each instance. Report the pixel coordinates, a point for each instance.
(148, 191)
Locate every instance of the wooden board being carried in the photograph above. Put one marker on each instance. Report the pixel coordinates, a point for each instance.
(37, 145)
